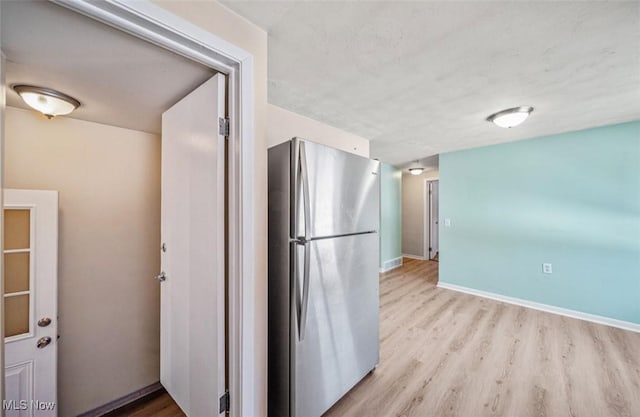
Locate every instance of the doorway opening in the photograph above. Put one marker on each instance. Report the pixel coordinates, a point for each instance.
(431, 220)
(151, 23)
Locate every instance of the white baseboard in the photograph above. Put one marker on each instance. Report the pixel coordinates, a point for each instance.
(420, 258)
(391, 264)
(621, 324)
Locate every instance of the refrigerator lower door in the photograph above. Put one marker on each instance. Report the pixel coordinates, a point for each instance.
(340, 344)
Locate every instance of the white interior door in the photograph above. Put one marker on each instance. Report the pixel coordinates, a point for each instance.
(30, 300)
(192, 332)
(434, 216)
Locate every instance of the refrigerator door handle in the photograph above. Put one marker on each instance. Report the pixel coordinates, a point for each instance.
(301, 297)
(295, 187)
(305, 291)
(304, 240)
(304, 174)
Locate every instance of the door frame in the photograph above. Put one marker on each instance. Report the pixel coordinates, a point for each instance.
(3, 96)
(427, 218)
(150, 22)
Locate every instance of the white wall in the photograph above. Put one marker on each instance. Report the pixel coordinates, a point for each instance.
(413, 210)
(109, 240)
(283, 125)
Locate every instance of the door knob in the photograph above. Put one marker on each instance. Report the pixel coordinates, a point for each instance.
(44, 322)
(161, 277)
(43, 342)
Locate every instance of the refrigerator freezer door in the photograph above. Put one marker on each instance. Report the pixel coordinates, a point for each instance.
(340, 344)
(343, 192)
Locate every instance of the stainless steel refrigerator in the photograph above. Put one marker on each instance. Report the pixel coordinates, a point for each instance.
(323, 276)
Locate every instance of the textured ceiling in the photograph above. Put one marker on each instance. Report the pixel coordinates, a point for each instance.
(419, 78)
(119, 79)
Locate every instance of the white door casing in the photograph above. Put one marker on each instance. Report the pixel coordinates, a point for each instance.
(431, 222)
(434, 197)
(192, 322)
(31, 371)
(2, 110)
(149, 21)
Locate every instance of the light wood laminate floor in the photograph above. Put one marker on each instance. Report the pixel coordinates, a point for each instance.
(445, 353)
(161, 406)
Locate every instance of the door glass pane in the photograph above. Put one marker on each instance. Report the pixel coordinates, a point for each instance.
(16, 272)
(16, 311)
(16, 228)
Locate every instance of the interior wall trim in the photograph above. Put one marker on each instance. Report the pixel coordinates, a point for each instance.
(621, 324)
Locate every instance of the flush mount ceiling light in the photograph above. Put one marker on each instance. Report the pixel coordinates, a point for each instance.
(417, 170)
(511, 117)
(49, 102)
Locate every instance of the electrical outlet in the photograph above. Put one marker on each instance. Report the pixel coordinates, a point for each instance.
(547, 269)
(447, 222)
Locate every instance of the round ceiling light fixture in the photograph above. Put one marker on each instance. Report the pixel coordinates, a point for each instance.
(47, 101)
(511, 117)
(417, 170)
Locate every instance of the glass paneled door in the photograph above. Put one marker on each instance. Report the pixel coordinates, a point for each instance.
(30, 254)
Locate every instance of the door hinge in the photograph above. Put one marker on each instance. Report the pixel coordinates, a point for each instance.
(225, 402)
(223, 126)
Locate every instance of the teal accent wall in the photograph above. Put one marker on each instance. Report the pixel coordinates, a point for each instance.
(572, 200)
(390, 213)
